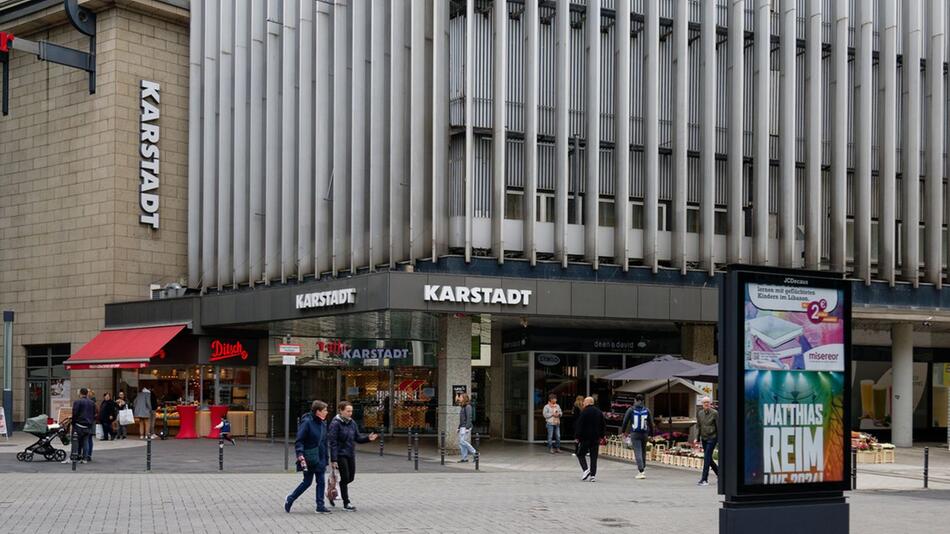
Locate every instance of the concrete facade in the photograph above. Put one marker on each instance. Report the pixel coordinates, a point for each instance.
(70, 237)
(455, 368)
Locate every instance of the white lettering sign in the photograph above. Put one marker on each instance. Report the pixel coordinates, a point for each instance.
(324, 299)
(148, 150)
(477, 295)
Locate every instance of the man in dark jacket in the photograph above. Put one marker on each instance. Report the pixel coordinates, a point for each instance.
(84, 421)
(312, 455)
(343, 437)
(107, 415)
(638, 422)
(588, 431)
(707, 419)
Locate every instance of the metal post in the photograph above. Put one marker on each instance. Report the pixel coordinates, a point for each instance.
(164, 435)
(286, 415)
(478, 441)
(926, 467)
(271, 429)
(442, 447)
(382, 439)
(416, 451)
(409, 446)
(221, 454)
(854, 469)
(148, 453)
(8, 360)
(73, 452)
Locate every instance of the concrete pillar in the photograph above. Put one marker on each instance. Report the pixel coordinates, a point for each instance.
(698, 342)
(454, 368)
(496, 386)
(902, 400)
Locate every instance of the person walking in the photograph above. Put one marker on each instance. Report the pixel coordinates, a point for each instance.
(637, 426)
(552, 420)
(707, 419)
(143, 410)
(313, 455)
(465, 427)
(107, 414)
(589, 430)
(121, 404)
(342, 438)
(225, 427)
(84, 420)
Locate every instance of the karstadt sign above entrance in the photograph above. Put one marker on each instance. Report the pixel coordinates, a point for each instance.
(477, 295)
(325, 299)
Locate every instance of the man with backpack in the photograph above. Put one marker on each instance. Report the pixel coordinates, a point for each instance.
(637, 426)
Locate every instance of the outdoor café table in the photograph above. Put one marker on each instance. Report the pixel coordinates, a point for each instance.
(217, 413)
(186, 421)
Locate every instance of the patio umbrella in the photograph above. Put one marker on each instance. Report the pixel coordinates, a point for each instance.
(659, 368)
(705, 373)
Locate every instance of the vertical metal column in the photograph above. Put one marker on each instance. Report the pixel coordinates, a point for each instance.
(398, 131)
(592, 115)
(813, 201)
(359, 134)
(209, 157)
(440, 129)
(8, 317)
(736, 93)
(787, 136)
(305, 174)
(340, 175)
(910, 266)
(887, 250)
(379, 133)
(839, 138)
(241, 213)
(935, 141)
(417, 130)
(863, 114)
(531, 66)
(651, 189)
(256, 141)
(322, 149)
(707, 155)
(194, 144)
(288, 142)
(224, 140)
(272, 146)
(469, 122)
(562, 85)
(680, 139)
(499, 103)
(622, 135)
(760, 159)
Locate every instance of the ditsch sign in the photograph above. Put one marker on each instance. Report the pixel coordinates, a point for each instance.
(221, 350)
(6, 39)
(148, 150)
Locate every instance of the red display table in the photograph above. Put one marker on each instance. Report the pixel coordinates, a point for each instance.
(186, 423)
(217, 413)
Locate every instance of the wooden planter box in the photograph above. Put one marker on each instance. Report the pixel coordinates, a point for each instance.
(868, 457)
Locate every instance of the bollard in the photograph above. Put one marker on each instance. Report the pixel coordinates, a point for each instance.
(246, 429)
(854, 469)
(220, 454)
(416, 448)
(382, 439)
(272, 429)
(73, 452)
(926, 467)
(148, 453)
(442, 446)
(477, 447)
(409, 446)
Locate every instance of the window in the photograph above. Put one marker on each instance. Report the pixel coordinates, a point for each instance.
(574, 209)
(514, 205)
(606, 215)
(692, 219)
(721, 221)
(45, 373)
(747, 214)
(545, 207)
(636, 217)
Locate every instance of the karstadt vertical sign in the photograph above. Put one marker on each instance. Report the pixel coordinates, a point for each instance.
(148, 150)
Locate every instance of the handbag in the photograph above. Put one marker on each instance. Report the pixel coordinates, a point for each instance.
(126, 417)
(312, 457)
(332, 483)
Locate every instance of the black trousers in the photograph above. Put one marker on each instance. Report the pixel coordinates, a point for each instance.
(583, 449)
(347, 466)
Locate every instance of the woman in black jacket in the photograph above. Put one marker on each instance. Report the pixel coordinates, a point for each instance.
(107, 415)
(342, 438)
(312, 455)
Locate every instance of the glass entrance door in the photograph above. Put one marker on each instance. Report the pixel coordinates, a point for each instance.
(37, 398)
(368, 391)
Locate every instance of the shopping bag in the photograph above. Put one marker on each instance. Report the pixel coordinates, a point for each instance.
(126, 417)
(332, 483)
(99, 433)
(628, 442)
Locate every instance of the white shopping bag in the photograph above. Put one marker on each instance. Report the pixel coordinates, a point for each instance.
(126, 417)
(98, 431)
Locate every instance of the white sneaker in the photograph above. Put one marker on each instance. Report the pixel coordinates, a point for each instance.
(641, 476)
(592, 479)
(585, 475)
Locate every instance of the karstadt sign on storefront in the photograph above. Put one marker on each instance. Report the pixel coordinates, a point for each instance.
(477, 295)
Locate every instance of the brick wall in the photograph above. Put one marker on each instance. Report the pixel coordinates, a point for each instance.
(70, 237)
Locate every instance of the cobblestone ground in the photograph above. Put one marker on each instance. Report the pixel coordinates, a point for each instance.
(518, 490)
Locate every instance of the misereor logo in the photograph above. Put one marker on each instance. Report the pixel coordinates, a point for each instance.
(477, 295)
(221, 350)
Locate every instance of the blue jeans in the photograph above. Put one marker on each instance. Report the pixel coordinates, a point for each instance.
(464, 435)
(639, 442)
(709, 445)
(308, 477)
(554, 433)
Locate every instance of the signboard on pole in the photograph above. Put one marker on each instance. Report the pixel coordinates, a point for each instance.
(290, 360)
(785, 369)
(288, 349)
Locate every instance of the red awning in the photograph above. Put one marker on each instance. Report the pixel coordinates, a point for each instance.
(127, 348)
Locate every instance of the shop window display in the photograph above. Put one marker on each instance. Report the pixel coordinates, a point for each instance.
(564, 375)
(415, 404)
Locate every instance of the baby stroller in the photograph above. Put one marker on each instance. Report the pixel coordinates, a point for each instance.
(41, 427)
